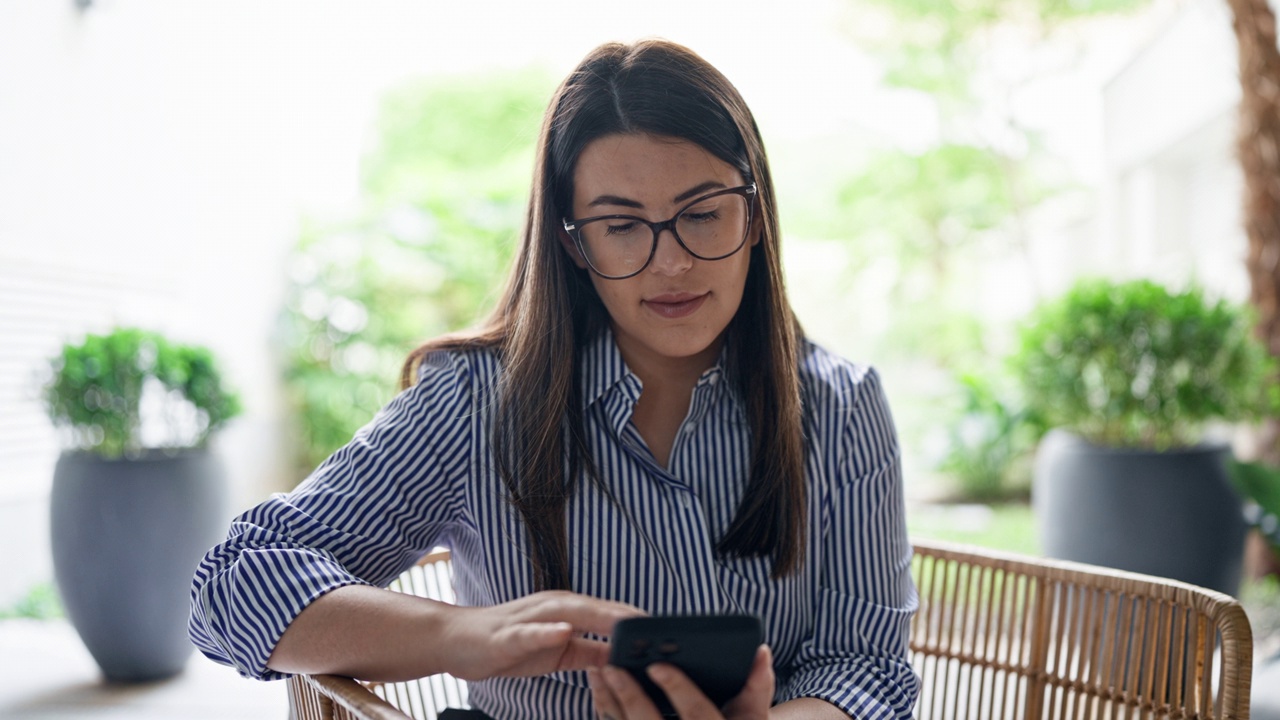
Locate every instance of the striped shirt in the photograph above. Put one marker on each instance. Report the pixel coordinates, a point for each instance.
(417, 476)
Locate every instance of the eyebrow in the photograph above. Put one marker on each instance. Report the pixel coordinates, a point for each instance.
(627, 202)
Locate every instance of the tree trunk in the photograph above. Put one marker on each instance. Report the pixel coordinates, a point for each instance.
(1259, 150)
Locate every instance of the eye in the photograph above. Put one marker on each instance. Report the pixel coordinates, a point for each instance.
(620, 228)
(701, 216)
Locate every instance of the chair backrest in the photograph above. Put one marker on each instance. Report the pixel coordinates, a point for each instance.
(1003, 636)
(997, 637)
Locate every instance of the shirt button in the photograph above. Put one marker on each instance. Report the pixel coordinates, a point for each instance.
(688, 429)
(684, 500)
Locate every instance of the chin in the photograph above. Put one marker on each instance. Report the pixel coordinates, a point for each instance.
(673, 345)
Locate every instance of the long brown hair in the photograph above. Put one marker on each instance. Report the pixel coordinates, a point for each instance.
(549, 310)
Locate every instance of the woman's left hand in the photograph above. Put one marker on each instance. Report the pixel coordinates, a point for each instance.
(618, 696)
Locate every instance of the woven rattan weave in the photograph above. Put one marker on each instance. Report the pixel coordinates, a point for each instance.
(997, 637)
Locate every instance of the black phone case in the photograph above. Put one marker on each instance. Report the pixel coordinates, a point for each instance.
(715, 651)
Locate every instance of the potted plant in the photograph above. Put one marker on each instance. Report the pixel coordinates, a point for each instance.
(1129, 374)
(137, 496)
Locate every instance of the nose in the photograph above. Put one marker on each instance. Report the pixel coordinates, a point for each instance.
(669, 257)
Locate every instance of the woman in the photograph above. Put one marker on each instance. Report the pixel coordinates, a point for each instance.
(639, 428)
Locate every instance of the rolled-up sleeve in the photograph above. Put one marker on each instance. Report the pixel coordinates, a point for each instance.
(857, 657)
(366, 514)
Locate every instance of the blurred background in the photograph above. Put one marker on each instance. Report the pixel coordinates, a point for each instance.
(311, 188)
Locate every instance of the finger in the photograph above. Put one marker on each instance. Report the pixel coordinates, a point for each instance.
(585, 613)
(632, 701)
(533, 637)
(584, 653)
(758, 692)
(602, 697)
(761, 679)
(688, 700)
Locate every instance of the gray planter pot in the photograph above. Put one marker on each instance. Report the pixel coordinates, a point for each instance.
(1172, 514)
(127, 535)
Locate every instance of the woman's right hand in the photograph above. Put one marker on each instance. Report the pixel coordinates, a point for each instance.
(535, 635)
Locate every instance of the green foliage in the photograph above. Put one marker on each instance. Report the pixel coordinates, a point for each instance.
(98, 386)
(929, 203)
(1260, 484)
(40, 603)
(991, 434)
(445, 189)
(1261, 600)
(931, 212)
(937, 46)
(987, 169)
(1132, 364)
(463, 137)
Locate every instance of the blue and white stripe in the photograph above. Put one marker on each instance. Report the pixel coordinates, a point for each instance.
(418, 476)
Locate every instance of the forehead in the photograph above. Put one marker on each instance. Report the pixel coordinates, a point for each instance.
(647, 168)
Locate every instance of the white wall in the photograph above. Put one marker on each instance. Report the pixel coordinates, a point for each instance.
(1173, 185)
(153, 163)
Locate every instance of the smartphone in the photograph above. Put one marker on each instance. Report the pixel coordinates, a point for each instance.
(715, 651)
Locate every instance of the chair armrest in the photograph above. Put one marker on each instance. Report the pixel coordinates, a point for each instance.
(358, 701)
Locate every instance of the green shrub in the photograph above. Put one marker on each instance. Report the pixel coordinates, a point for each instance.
(1133, 365)
(987, 439)
(97, 390)
(444, 191)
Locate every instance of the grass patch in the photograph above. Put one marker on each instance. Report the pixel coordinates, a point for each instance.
(1008, 526)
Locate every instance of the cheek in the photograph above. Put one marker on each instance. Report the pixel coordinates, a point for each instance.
(613, 293)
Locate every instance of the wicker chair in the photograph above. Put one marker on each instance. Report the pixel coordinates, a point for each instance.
(997, 636)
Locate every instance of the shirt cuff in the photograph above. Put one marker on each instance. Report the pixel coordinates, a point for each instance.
(239, 619)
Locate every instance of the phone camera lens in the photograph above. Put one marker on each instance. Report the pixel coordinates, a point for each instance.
(639, 648)
(668, 647)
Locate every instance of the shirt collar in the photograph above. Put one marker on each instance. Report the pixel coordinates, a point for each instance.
(603, 368)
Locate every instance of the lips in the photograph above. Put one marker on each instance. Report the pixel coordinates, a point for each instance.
(675, 305)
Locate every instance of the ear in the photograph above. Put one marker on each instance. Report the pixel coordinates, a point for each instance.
(757, 228)
(570, 247)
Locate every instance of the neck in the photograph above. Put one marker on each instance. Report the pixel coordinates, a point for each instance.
(660, 374)
(668, 385)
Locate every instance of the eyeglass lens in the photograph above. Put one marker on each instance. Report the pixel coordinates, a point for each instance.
(710, 229)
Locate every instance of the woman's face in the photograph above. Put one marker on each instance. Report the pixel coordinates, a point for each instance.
(678, 307)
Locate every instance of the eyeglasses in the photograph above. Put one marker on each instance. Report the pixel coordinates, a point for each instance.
(713, 227)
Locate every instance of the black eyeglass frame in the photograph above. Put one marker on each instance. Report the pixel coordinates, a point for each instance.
(748, 192)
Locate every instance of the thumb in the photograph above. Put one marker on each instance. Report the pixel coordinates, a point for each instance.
(758, 691)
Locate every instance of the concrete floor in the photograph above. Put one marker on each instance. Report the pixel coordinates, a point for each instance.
(46, 673)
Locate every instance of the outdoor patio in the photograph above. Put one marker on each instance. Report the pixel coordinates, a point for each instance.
(48, 674)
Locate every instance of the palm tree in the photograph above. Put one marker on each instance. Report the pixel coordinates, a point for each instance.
(1259, 151)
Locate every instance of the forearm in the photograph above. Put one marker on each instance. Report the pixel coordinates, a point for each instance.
(365, 632)
(806, 708)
